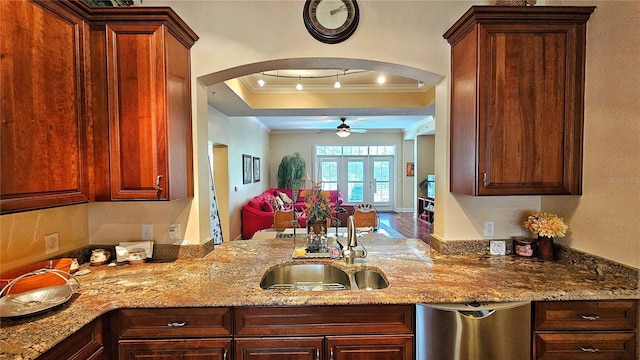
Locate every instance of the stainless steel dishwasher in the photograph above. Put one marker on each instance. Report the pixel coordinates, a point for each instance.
(474, 331)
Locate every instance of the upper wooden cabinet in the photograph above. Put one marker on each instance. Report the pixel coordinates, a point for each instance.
(141, 86)
(43, 155)
(95, 105)
(517, 94)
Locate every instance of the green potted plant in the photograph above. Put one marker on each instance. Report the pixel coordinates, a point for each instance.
(290, 171)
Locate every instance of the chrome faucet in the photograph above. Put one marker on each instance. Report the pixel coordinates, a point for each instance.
(350, 253)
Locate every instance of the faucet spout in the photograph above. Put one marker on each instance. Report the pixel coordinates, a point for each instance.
(350, 253)
(352, 238)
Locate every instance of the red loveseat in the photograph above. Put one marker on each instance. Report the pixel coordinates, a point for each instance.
(257, 214)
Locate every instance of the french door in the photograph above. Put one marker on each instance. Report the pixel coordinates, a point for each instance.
(361, 179)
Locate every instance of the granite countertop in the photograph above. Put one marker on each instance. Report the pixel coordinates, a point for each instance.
(230, 276)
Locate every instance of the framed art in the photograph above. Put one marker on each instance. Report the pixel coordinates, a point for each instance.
(246, 169)
(410, 169)
(256, 169)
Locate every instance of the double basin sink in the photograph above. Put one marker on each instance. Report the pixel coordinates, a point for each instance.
(321, 277)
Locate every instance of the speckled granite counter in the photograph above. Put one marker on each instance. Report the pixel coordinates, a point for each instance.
(230, 276)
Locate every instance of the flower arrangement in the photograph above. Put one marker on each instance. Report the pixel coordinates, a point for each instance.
(545, 224)
(317, 206)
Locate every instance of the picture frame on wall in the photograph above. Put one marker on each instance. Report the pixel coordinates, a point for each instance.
(256, 169)
(246, 169)
(410, 169)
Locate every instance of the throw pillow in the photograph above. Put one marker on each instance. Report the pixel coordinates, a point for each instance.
(280, 202)
(266, 206)
(285, 198)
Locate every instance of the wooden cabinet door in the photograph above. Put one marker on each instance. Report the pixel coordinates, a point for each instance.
(192, 349)
(376, 347)
(517, 99)
(279, 348)
(42, 111)
(87, 343)
(531, 109)
(149, 103)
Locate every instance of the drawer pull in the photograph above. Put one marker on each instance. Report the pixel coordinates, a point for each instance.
(589, 349)
(177, 324)
(590, 317)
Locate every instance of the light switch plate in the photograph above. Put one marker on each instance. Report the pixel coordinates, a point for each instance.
(498, 247)
(147, 231)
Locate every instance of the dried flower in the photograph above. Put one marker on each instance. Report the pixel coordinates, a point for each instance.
(317, 205)
(545, 224)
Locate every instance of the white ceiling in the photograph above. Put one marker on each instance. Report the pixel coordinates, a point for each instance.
(319, 81)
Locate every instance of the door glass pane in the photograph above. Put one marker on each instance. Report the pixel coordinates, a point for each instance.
(355, 181)
(329, 174)
(382, 192)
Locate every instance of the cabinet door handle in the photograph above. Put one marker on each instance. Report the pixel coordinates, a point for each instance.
(224, 354)
(158, 182)
(331, 354)
(589, 349)
(317, 354)
(177, 324)
(484, 179)
(590, 317)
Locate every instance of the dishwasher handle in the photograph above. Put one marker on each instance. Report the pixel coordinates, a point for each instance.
(477, 314)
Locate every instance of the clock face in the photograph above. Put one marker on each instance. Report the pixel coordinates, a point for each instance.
(331, 21)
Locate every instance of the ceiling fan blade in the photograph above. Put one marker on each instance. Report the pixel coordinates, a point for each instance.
(360, 131)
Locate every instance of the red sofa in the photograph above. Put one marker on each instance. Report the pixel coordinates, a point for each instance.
(257, 214)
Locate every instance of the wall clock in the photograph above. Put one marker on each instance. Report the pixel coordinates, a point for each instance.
(331, 21)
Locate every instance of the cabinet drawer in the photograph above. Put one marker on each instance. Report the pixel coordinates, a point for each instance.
(586, 315)
(324, 320)
(192, 349)
(175, 322)
(585, 346)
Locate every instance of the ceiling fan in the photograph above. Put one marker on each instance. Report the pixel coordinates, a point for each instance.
(344, 130)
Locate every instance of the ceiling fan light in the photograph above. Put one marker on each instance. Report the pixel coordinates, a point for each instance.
(343, 133)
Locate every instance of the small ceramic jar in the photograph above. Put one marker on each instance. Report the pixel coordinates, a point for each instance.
(523, 246)
(99, 257)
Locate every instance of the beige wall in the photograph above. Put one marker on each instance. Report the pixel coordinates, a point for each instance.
(23, 234)
(603, 221)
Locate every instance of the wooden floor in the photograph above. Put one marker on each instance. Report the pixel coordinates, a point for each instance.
(405, 225)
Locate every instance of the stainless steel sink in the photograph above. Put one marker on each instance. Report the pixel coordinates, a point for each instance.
(370, 280)
(306, 277)
(321, 277)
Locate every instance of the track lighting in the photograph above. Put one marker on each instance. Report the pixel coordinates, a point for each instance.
(381, 79)
(337, 85)
(420, 84)
(261, 82)
(299, 86)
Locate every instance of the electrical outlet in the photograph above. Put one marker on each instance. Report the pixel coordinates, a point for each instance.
(174, 231)
(147, 231)
(51, 243)
(489, 229)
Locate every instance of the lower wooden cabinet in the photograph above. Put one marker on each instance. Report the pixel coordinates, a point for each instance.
(586, 330)
(290, 348)
(383, 332)
(87, 343)
(192, 349)
(375, 347)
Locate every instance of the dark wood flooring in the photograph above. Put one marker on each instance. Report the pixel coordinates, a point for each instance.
(405, 225)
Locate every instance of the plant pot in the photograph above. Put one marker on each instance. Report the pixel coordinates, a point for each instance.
(544, 248)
